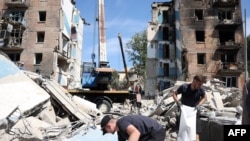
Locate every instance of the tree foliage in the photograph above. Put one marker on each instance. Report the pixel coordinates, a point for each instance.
(137, 51)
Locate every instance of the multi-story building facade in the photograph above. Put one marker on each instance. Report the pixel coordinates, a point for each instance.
(45, 37)
(208, 40)
(161, 49)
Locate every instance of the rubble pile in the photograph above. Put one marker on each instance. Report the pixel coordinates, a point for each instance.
(36, 108)
(223, 105)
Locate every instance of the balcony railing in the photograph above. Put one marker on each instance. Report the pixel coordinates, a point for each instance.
(225, 3)
(16, 3)
(232, 66)
(228, 22)
(8, 41)
(229, 45)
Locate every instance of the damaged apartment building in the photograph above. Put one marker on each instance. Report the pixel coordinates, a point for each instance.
(189, 37)
(43, 37)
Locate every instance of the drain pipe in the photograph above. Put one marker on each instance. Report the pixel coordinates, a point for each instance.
(246, 66)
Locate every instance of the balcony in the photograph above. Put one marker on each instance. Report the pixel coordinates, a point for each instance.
(231, 67)
(229, 45)
(228, 23)
(11, 41)
(17, 3)
(225, 3)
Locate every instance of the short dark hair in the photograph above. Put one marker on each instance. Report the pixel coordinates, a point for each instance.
(200, 78)
(104, 122)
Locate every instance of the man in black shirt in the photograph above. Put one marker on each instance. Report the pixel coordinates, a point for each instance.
(133, 128)
(192, 95)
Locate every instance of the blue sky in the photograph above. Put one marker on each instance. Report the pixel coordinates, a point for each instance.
(122, 16)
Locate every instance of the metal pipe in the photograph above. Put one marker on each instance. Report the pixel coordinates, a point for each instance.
(246, 66)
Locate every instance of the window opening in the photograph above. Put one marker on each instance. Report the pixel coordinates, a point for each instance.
(165, 16)
(14, 57)
(166, 51)
(38, 58)
(40, 37)
(231, 81)
(165, 33)
(166, 69)
(198, 14)
(226, 37)
(42, 16)
(200, 36)
(201, 58)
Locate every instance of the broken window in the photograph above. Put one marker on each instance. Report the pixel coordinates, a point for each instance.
(200, 36)
(165, 33)
(227, 59)
(14, 57)
(198, 14)
(16, 15)
(38, 58)
(231, 81)
(40, 37)
(66, 46)
(225, 15)
(165, 51)
(201, 58)
(226, 37)
(15, 37)
(42, 16)
(165, 16)
(166, 69)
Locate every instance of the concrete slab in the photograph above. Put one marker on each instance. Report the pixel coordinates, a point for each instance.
(17, 90)
(62, 97)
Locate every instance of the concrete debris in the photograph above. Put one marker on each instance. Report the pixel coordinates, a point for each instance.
(36, 108)
(223, 106)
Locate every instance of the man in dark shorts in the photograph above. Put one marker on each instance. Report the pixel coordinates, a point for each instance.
(192, 95)
(133, 128)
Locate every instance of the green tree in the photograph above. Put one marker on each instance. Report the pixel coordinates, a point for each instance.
(116, 84)
(137, 51)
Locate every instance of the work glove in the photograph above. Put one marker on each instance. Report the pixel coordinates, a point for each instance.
(179, 104)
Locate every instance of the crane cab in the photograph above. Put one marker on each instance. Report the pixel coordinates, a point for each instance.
(96, 78)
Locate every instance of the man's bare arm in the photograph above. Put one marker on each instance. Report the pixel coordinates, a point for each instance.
(133, 133)
(203, 100)
(175, 96)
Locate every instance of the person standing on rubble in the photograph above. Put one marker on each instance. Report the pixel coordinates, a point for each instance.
(192, 95)
(137, 91)
(133, 128)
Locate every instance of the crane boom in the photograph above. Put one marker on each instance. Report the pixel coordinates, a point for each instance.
(97, 80)
(102, 36)
(123, 58)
